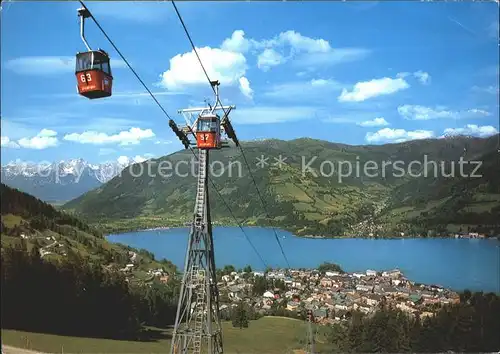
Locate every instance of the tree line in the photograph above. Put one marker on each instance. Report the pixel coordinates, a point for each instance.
(472, 325)
(42, 215)
(77, 297)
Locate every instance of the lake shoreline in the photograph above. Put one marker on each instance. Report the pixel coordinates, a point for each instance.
(314, 237)
(453, 263)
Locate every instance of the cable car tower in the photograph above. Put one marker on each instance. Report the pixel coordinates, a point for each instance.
(197, 323)
(310, 334)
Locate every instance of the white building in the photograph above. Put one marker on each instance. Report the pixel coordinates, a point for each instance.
(331, 274)
(269, 295)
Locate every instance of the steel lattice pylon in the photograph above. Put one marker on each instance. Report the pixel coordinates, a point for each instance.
(310, 334)
(197, 323)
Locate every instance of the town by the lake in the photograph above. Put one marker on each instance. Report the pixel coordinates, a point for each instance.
(332, 296)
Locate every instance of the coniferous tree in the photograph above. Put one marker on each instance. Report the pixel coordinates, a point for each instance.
(240, 316)
(415, 332)
(465, 327)
(356, 335)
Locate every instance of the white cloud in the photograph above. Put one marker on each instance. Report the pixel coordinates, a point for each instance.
(304, 90)
(373, 88)
(472, 129)
(163, 142)
(49, 65)
(321, 82)
(272, 114)
(228, 63)
(302, 43)
(290, 45)
(403, 74)
(333, 57)
(269, 58)
(397, 135)
(7, 143)
(44, 139)
(131, 137)
(488, 89)
(478, 112)
(417, 112)
(237, 43)
(185, 69)
(423, 77)
(377, 122)
(245, 87)
(47, 133)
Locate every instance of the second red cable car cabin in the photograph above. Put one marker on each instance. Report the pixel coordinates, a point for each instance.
(208, 132)
(93, 74)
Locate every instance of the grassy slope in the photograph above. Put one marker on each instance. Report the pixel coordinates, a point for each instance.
(71, 237)
(275, 335)
(450, 200)
(127, 202)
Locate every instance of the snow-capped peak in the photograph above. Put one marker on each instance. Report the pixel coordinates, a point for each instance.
(103, 172)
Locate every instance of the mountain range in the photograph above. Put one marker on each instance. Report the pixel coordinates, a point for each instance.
(304, 195)
(63, 180)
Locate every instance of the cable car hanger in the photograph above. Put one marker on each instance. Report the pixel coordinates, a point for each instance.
(93, 70)
(83, 13)
(207, 127)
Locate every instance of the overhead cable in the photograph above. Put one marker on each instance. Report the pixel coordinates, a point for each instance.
(241, 148)
(170, 119)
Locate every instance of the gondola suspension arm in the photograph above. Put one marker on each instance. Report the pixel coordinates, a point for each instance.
(83, 13)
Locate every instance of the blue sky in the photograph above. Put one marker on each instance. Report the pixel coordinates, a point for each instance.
(356, 73)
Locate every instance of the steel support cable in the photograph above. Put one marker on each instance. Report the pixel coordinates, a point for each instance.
(263, 204)
(168, 116)
(232, 215)
(225, 114)
(265, 207)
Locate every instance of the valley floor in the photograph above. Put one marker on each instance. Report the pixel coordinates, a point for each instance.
(275, 335)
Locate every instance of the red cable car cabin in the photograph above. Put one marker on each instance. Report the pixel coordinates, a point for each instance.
(208, 132)
(93, 74)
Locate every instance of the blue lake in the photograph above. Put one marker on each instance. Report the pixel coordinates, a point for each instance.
(452, 263)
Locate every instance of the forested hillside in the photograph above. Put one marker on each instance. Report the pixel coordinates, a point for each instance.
(41, 215)
(27, 220)
(470, 326)
(79, 292)
(318, 200)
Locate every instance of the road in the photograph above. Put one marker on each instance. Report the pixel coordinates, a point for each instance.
(43, 250)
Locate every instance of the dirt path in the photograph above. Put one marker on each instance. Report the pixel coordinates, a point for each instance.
(7, 349)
